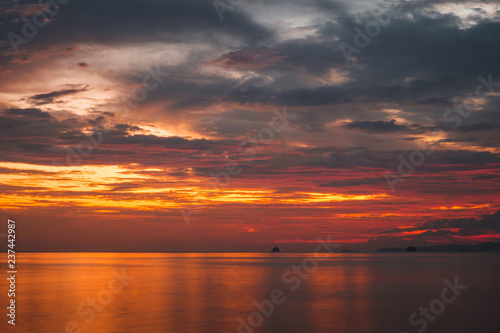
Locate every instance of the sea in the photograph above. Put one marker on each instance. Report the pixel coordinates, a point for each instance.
(252, 292)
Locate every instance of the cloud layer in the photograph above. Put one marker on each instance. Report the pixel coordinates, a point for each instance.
(91, 129)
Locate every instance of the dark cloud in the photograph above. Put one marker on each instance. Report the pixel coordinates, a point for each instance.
(466, 226)
(427, 78)
(22, 123)
(129, 22)
(481, 177)
(478, 127)
(28, 113)
(333, 157)
(31, 135)
(377, 126)
(126, 128)
(355, 182)
(50, 97)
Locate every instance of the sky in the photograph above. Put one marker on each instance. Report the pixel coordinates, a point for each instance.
(244, 125)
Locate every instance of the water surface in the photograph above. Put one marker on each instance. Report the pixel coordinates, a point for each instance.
(208, 292)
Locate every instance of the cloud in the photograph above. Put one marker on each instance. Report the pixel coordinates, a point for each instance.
(468, 227)
(29, 113)
(247, 59)
(487, 224)
(377, 126)
(125, 22)
(48, 98)
(478, 127)
(354, 182)
(353, 120)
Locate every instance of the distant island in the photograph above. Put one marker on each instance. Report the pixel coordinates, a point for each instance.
(483, 247)
(275, 249)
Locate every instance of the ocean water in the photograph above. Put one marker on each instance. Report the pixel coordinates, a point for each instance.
(221, 292)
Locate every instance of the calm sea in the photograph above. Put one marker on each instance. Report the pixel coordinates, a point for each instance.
(221, 292)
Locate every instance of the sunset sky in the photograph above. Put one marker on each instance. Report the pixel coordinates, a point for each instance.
(115, 114)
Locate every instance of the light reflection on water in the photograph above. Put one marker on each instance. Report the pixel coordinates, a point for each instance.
(207, 292)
